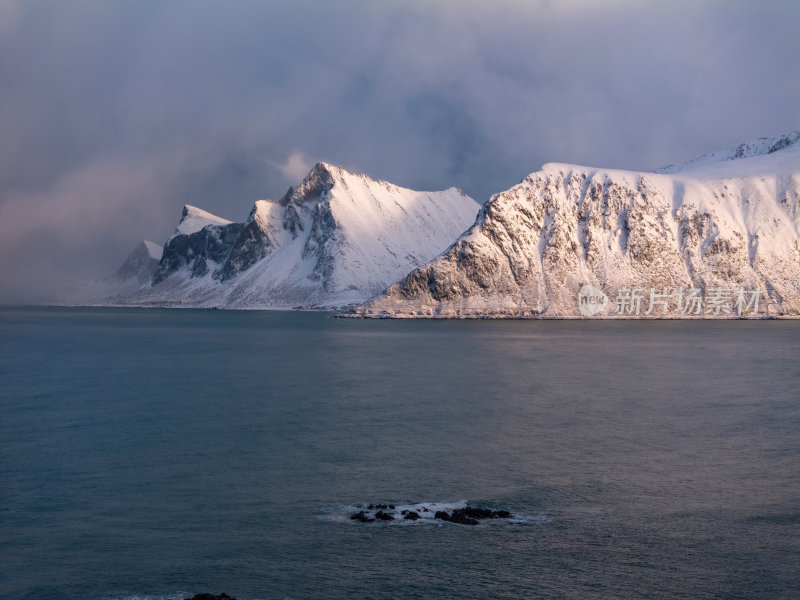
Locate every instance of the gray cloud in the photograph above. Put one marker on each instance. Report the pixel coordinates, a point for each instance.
(113, 115)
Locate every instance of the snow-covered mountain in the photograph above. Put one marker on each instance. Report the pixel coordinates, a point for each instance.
(337, 239)
(140, 265)
(704, 238)
(137, 271)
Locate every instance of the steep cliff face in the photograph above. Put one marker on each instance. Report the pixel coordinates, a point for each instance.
(259, 236)
(199, 252)
(338, 238)
(648, 241)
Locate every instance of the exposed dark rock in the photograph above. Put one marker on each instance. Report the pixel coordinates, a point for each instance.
(323, 242)
(361, 516)
(469, 515)
(478, 513)
(213, 242)
(318, 181)
(252, 245)
(460, 516)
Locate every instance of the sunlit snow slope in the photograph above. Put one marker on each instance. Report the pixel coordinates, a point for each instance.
(726, 221)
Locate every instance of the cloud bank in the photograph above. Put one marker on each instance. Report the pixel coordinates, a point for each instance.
(114, 115)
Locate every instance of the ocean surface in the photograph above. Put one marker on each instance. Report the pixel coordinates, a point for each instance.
(163, 453)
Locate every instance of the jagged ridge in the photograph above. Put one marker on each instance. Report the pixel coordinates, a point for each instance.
(335, 239)
(750, 149)
(533, 246)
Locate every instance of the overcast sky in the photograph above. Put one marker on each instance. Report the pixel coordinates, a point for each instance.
(113, 115)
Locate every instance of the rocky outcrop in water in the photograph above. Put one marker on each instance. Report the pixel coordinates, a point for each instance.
(465, 515)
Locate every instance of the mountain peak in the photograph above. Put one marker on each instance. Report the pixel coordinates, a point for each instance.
(140, 264)
(334, 170)
(320, 179)
(193, 219)
(316, 182)
(324, 166)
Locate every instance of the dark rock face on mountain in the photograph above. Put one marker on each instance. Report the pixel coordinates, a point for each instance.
(253, 244)
(193, 252)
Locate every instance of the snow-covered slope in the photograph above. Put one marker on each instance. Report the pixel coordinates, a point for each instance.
(194, 219)
(751, 149)
(337, 239)
(720, 226)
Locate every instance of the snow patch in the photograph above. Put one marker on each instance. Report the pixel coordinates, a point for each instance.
(194, 219)
(153, 249)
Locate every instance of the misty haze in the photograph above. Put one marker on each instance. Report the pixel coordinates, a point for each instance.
(380, 299)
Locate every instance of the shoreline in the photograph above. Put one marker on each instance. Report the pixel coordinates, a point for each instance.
(340, 313)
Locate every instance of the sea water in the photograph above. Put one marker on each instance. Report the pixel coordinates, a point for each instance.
(163, 453)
